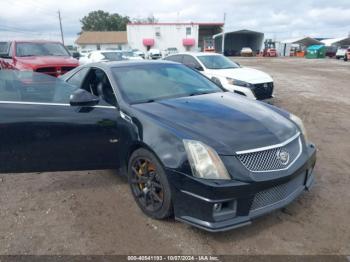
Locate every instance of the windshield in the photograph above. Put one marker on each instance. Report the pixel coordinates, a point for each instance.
(217, 62)
(40, 49)
(113, 56)
(128, 53)
(3, 47)
(147, 83)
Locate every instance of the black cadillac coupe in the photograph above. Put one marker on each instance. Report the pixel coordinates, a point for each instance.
(210, 158)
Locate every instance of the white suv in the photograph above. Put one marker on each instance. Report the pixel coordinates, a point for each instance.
(154, 54)
(341, 52)
(231, 76)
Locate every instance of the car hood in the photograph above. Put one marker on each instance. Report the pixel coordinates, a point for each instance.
(37, 61)
(224, 121)
(246, 74)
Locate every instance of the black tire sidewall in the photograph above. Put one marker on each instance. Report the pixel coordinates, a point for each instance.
(167, 208)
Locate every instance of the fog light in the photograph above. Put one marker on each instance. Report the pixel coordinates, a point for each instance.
(224, 210)
(217, 207)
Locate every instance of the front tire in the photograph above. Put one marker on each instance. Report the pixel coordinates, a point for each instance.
(149, 184)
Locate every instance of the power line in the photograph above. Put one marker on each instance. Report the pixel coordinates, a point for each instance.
(21, 30)
(34, 7)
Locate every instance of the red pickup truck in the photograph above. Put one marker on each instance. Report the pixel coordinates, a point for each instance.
(47, 57)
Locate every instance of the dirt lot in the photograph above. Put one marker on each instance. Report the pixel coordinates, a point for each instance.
(94, 213)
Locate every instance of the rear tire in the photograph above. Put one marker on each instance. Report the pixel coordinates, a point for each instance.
(149, 184)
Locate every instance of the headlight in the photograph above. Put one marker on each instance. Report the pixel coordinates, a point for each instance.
(204, 161)
(236, 82)
(299, 123)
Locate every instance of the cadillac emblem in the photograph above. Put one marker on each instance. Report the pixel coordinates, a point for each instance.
(283, 156)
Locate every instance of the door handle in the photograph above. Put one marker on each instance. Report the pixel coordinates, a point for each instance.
(113, 140)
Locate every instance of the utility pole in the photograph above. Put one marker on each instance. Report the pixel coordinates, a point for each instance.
(223, 36)
(59, 18)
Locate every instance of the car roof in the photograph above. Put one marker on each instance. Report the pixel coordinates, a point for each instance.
(37, 41)
(112, 64)
(197, 54)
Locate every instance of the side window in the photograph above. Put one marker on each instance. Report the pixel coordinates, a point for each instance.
(25, 86)
(78, 78)
(174, 58)
(191, 62)
(4, 46)
(98, 84)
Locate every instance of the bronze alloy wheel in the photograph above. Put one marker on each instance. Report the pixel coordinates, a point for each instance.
(149, 184)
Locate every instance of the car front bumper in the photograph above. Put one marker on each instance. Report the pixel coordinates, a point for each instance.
(224, 205)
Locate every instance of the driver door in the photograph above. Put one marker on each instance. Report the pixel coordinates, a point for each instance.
(41, 131)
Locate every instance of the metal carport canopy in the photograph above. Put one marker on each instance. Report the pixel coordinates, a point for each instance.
(342, 41)
(306, 41)
(236, 40)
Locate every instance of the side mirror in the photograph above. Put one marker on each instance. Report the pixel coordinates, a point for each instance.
(199, 68)
(82, 97)
(76, 55)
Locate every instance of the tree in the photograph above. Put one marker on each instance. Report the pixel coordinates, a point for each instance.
(149, 19)
(104, 21)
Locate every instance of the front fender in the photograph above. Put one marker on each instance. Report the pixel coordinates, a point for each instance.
(151, 134)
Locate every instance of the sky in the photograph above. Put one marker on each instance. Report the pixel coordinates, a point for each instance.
(278, 19)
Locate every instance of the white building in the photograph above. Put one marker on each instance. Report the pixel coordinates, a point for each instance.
(183, 36)
(93, 40)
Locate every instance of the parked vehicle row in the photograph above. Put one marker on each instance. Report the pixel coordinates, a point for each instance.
(190, 149)
(108, 55)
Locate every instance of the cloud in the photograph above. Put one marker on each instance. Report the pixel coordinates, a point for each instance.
(30, 19)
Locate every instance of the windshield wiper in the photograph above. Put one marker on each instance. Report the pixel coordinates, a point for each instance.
(143, 101)
(200, 93)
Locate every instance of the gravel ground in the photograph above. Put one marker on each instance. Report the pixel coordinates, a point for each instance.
(93, 212)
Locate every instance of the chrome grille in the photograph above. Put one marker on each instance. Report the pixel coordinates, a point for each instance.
(277, 193)
(268, 159)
